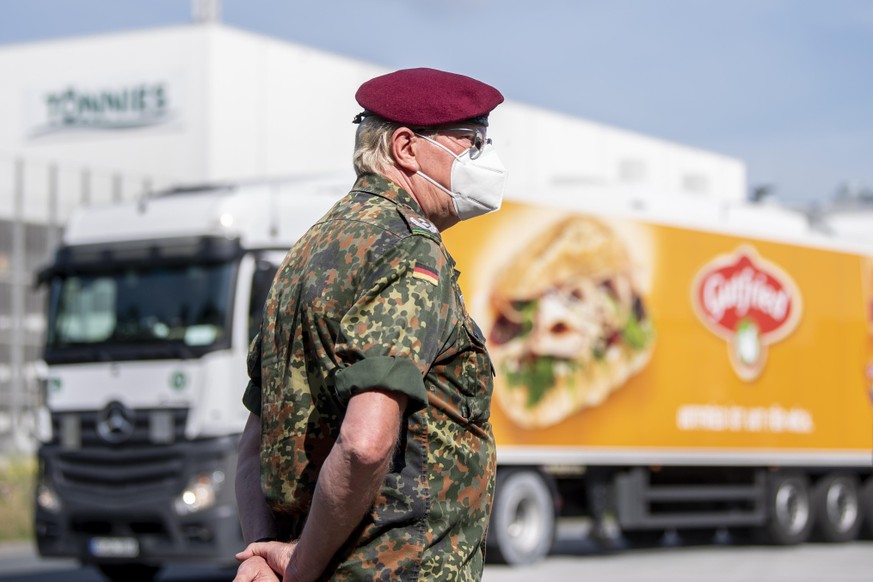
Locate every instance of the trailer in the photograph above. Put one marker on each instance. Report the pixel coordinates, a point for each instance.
(672, 365)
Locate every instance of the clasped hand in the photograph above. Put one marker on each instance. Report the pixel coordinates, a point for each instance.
(265, 562)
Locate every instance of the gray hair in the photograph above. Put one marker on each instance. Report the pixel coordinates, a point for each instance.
(373, 145)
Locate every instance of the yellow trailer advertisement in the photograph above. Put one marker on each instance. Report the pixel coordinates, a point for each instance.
(618, 337)
(660, 375)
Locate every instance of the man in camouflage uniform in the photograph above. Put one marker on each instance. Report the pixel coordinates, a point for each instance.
(371, 385)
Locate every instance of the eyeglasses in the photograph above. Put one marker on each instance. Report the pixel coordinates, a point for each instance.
(477, 139)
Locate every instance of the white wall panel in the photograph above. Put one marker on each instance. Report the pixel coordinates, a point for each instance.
(241, 106)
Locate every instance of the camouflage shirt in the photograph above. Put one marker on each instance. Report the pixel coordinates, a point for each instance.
(369, 298)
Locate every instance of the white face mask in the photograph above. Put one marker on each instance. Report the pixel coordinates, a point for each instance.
(476, 185)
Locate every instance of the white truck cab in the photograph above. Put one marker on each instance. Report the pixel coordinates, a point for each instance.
(152, 307)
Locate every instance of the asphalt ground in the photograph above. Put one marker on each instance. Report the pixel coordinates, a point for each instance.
(573, 558)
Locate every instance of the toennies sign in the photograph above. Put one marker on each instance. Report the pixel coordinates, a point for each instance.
(101, 107)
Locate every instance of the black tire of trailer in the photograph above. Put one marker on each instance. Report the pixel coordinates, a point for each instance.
(523, 518)
(837, 507)
(129, 572)
(866, 495)
(790, 512)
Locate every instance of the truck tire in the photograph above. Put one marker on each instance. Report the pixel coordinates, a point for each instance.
(866, 496)
(789, 511)
(837, 507)
(129, 572)
(523, 518)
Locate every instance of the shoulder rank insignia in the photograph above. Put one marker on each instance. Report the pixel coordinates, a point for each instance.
(418, 222)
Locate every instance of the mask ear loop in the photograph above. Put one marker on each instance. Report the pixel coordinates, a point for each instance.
(439, 145)
(434, 182)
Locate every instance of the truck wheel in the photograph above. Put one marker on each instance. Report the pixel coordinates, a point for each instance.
(789, 509)
(523, 519)
(837, 508)
(866, 496)
(129, 572)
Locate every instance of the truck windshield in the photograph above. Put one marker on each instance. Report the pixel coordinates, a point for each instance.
(140, 312)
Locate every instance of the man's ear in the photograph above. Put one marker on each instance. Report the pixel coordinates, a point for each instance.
(402, 148)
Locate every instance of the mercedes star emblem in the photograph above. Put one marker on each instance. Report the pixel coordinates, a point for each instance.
(115, 423)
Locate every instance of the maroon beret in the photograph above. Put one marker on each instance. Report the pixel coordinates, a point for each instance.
(427, 97)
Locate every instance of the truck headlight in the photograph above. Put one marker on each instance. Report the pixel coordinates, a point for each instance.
(200, 493)
(47, 499)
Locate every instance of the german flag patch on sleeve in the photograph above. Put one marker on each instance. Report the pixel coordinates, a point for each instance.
(426, 273)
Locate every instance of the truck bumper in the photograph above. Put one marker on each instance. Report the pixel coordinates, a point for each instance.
(118, 505)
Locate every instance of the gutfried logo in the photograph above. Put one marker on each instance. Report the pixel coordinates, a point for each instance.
(749, 302)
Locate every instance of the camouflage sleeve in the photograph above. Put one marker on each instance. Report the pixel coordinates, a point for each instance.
(252, 395)
(393, 333)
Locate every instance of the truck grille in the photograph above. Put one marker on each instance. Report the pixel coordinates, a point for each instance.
(114, 471)
(74, 430)
(139, 460)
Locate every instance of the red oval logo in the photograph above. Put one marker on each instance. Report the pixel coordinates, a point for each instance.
(748, 301)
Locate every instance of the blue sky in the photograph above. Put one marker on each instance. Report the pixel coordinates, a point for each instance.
(784, 85)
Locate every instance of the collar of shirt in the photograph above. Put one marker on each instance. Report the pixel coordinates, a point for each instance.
(381, 186)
